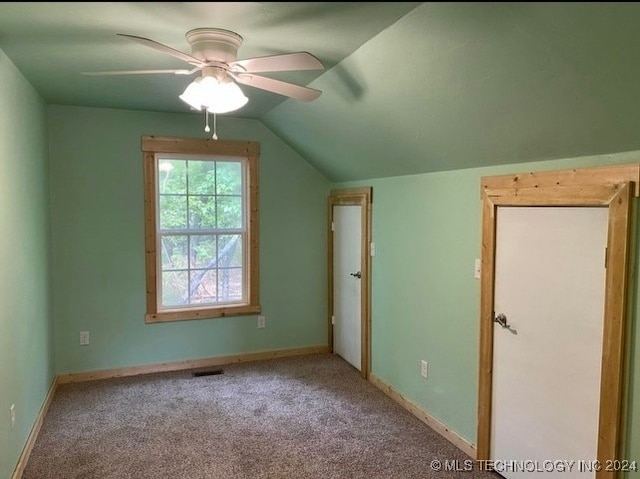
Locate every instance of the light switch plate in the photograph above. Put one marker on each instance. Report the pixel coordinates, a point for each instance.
(476, 268)
(424, 369)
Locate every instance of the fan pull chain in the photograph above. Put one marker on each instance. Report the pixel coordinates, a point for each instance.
(206, 121)
(215, 128)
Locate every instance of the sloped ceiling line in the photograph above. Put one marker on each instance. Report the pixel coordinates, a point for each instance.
(461, 85)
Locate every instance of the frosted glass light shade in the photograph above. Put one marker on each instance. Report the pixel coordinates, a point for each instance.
(191, 95)
(214, 95)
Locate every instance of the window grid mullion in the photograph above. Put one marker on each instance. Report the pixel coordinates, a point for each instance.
(217, 268)
(223, 195)
(188, 263)
(215, 192)
(187, 181)
(189, 241)
(203, 232)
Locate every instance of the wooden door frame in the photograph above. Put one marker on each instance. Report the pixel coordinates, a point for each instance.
(611, 187)
(354, 197)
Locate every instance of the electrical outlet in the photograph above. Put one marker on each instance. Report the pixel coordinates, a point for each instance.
(424, 369)
(12, 414)
(84, 338)
(262, 321)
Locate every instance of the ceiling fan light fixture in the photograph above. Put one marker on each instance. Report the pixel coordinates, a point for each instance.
(214, 53)
(217, 96)
(223, 95)
(192, 95)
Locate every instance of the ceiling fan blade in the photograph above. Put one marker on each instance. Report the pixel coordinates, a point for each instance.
(276, 86)
(163, 48)
(280, 63)
(139, 72)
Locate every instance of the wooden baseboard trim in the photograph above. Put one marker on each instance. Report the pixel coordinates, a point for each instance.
(35, 430)
(188, 364)
(446, 432)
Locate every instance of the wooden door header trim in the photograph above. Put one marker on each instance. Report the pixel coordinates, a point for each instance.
(351, 193)
(611, 175)
(590, 195)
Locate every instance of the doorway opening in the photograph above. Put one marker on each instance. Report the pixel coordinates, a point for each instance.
(349, 276)
(613, 189)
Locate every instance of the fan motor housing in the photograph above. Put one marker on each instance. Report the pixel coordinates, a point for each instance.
(214, 44)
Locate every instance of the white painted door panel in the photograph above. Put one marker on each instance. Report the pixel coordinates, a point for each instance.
(550, 283)
(347, 288)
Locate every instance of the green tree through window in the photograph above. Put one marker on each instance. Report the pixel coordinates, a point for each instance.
(201, 230)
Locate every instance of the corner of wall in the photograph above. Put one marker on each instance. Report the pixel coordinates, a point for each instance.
(26, 347)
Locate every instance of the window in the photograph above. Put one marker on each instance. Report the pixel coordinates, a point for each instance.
(201, 222)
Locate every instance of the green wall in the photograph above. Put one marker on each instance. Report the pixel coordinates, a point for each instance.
(26, 329)
(98, 244)
(425, 300)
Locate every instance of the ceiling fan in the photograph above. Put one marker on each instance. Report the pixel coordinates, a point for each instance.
(214, 53)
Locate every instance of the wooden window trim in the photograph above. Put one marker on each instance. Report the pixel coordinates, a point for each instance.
(152, 146)
(612, 187)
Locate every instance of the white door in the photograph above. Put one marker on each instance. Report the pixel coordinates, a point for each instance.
(347, 273)
(549, 283)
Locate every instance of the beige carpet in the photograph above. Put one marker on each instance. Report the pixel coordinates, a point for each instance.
(306, 417)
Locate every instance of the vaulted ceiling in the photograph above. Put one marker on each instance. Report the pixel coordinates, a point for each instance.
(409, 88)
(52, 42)
(459, 85)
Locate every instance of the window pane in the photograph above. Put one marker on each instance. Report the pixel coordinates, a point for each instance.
(175, 288)
(201, 177)
(202, 212)
(203, 251)
(230, 250)
(173, 212)
(228, 178)
(174, 252)
(230, 284)
(236, 255)
(202, 223)
(230, 212)
(172, 176)
(203, 286)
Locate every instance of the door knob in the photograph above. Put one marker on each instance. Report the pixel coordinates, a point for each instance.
(356, 275)
(501, 319)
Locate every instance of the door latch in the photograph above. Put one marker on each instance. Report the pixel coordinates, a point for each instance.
(356, 275)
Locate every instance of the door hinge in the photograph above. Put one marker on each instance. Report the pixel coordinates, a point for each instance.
(606, 257)
(333, 226)
(333, 320)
